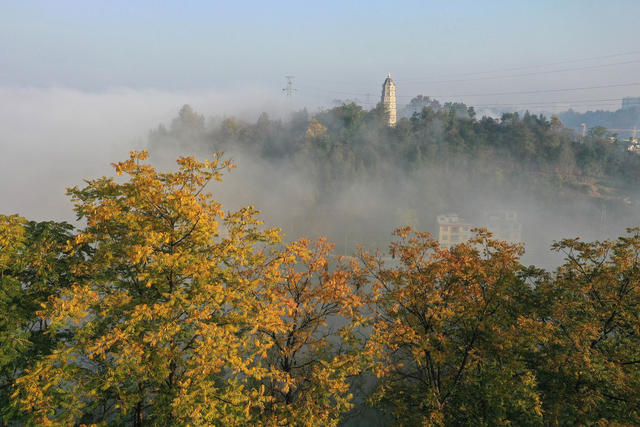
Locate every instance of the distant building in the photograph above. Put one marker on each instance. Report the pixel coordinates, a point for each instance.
(389, 100)
(452, 230)
(633, 145)
(504, 225)
(630, 102)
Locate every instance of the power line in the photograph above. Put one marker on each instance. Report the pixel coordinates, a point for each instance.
(336, 92)
(584, 103)
(527, 92)
(542, 104)
(569, 61)
(546, 105)
(524, 74)
(581, 101)
(525, 67)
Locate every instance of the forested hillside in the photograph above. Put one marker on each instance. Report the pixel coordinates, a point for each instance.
(437, 161)
(350, 141)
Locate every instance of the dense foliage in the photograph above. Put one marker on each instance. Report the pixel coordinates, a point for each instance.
(164, 309)
(514, 152)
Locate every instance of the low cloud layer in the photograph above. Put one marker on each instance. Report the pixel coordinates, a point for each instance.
(54, 138)
(51, 139)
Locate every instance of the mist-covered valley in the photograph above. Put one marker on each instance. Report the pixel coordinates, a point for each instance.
(340, 214)
(335, 172)
(338, 172)
(341, 173)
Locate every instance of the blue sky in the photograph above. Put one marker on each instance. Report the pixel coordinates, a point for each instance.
(82, 82)
(336, 49)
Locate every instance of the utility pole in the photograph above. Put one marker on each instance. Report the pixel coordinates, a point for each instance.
(289, 90)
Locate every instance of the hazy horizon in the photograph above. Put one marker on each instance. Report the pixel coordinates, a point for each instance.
(477, 53)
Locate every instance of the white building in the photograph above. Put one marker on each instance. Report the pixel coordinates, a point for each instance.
(453, 230)
(388, 100)
(503, 225)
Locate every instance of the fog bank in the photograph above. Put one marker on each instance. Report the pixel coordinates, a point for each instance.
(52, 138)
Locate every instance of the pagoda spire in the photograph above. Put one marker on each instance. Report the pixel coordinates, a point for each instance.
(388, 100)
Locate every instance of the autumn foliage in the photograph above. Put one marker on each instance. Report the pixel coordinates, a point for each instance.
(165, 309)
(446, 341)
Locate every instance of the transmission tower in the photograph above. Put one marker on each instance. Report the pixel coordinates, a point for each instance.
(289, 90)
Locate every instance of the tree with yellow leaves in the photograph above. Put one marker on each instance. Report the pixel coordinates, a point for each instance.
(446, 337)
(590, 368)
(315, 130)
(313, 358)
(167, 310)
(162, 329)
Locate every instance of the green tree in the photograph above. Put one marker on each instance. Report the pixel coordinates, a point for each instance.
(34, 267)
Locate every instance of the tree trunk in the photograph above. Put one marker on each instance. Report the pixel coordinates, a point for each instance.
(138, 415)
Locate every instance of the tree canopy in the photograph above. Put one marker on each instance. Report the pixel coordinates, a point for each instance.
(162, 308)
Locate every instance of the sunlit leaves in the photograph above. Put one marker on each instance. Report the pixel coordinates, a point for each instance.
(158, 325)
(313, 356)
(442, 330)
(167, 310)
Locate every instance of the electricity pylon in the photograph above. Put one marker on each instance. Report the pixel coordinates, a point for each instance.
(289, 90)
